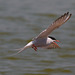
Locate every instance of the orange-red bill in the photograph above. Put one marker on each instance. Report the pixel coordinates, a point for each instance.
(56, 44)
(57, 40)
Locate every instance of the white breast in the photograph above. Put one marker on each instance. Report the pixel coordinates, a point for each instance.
(49, 40)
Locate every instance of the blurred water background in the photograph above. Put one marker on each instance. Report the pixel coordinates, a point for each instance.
(20, 21)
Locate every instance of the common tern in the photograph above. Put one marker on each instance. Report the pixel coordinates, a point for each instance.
(43, 40)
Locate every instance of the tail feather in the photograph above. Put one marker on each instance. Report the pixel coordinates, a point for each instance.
(21, 49)
(18, 49)
(26, 46)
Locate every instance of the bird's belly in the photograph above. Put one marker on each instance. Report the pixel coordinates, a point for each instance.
(41, 43)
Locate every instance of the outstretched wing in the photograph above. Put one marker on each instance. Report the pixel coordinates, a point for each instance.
(56, 24)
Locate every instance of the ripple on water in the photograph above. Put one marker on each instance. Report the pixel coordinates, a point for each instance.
(45, 14)
(11, 58)
(56, 70)
(13, 18)
(6, 33)
(67, 56)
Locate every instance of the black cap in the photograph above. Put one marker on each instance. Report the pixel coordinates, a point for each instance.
(52, 37)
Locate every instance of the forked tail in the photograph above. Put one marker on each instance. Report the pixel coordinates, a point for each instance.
(21, 49)
(26, 46)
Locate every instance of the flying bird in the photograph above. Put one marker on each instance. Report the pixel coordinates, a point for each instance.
(43, 40)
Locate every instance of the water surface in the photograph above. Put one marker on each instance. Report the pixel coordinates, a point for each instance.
(20, 21)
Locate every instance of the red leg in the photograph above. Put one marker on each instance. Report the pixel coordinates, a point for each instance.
(34, 47)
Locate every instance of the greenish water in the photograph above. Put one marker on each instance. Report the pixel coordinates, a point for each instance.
(20, 21)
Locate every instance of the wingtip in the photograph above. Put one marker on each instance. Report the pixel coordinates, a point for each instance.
(69, 13)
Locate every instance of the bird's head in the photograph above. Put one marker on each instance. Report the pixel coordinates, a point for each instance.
(54, 39)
